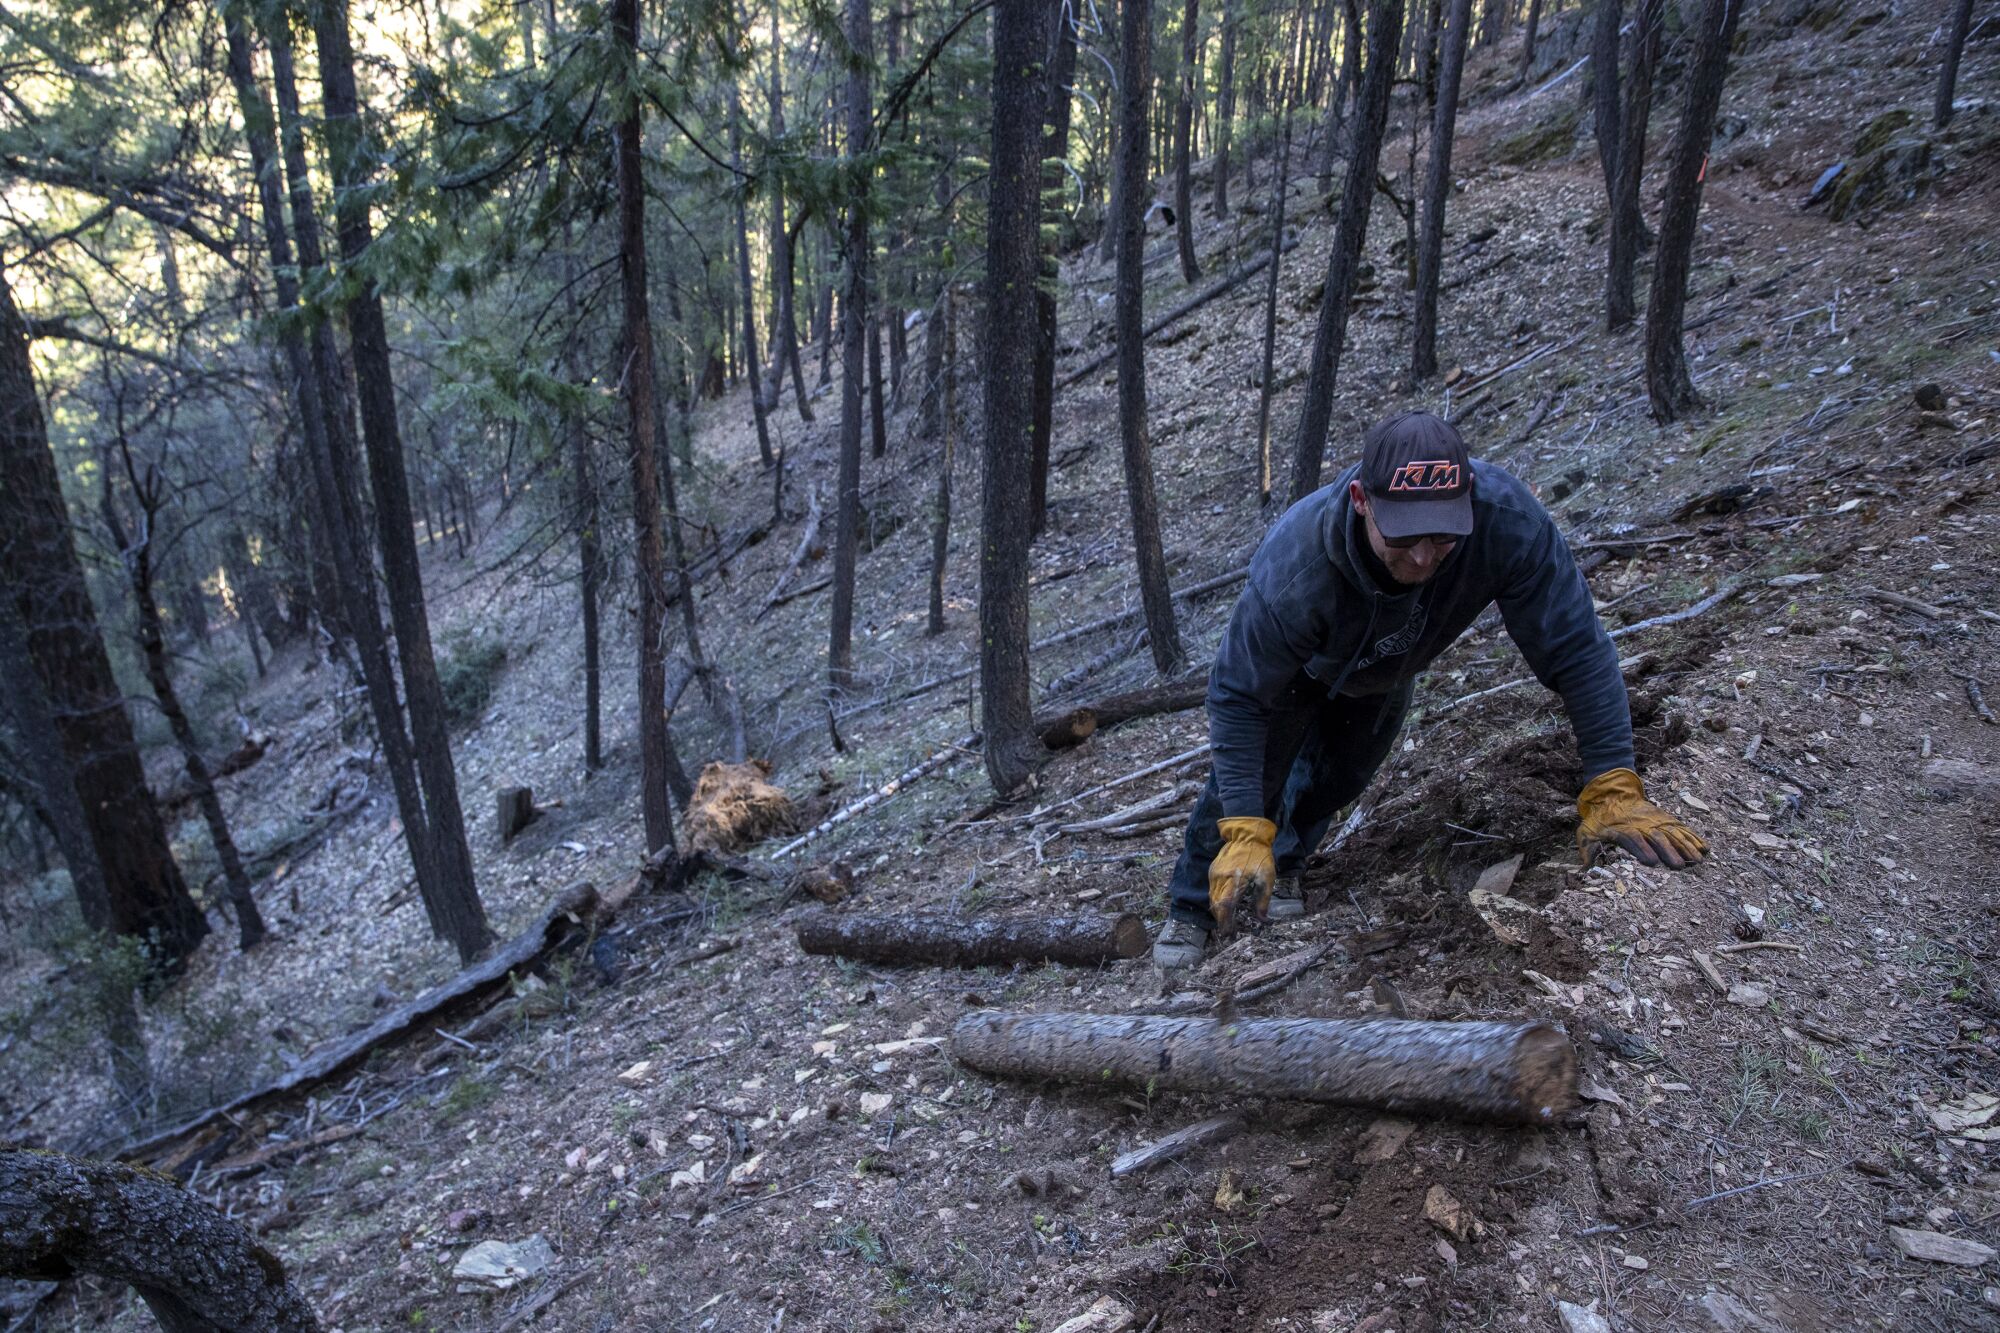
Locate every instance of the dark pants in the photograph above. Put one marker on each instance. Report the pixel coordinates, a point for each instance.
(1320, 754)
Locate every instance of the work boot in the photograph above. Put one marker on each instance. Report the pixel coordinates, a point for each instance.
(1181, 945)
(1288, 899)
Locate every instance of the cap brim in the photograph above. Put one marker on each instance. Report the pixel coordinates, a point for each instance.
(1422, 518)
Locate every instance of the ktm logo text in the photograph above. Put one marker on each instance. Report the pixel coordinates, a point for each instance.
(1432, 476)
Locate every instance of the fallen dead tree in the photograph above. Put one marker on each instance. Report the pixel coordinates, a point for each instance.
(1516, 1072)
(1060, 731)
(573, 907)
(61, 1216)
(1236, 277)
(954, 941)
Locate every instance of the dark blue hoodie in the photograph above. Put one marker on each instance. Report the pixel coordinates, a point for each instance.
(1310, 605)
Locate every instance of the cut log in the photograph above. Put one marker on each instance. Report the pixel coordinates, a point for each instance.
(514, 810)
(1177, 1144)
(1515, 1072)
(1060, 731)
(955, 941)
(62, 1215)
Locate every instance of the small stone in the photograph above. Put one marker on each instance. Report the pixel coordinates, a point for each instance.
(496, 1265)
(1637, 1263)
(1749, 994)
(1929, 397)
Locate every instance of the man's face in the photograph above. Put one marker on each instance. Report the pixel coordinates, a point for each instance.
(1410, 564)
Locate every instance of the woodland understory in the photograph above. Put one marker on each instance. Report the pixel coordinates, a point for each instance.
(1789, 1057)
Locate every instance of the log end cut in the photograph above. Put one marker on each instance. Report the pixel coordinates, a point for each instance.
(1544, 1073)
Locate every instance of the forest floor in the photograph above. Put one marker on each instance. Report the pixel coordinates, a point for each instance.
(802, 1152)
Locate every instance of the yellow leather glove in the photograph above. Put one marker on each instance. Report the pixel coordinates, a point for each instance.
(1242, 871)
(1613, 810)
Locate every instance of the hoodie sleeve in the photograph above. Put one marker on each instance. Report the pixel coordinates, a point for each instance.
(1550, 617)
(1259, 657)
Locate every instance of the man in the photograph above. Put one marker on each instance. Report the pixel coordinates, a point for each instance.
(1353, 593)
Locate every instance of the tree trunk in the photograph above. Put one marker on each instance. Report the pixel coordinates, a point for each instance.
(454, 898)
(1437, 189)
(196, 1270)
(1013, 256)
(853, 354)
(1055, 142)
(62, 809)
(1135, 79)
(785, 319)
(1512, 1072)
(1668, 384)
(1620, 298)
(636, 348)
(590, 561)
(1954, 51)
(878, 425)
(40, 572)
(1528, 39)
(947, 361)
(957, 941)
(323, 395)
(1114, 207)
(138, 559)
(1225, 109)
(1385, 20)
(1073, 726)
(1350, 71)
(1278, 200)
(1183, 145)
(739, 188)
(1608, 17)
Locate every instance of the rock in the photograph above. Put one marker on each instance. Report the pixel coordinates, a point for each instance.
(1443, 1211)
(638, 1075)
(828, 883)
(1508, 918)
(1229, 1195)
(1825, 183)
(1883, 128)
(1581, 1318)
(1107, 1314)
(1929, 397)
(1636, 1262)
(1731, 1315)
(496, 1265)
(1749, 994)
(874, 1103)
(1383, 1139)
(1967, 1117)
(461, 1220)
(1794, 580)
(1939, 1249)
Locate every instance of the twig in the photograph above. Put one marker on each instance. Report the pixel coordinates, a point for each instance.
(1707, 603)
(766, 1198)
(1749, 945)
(1693, 1205)
(1977, 699)
(1146, 772)
(1924, 609)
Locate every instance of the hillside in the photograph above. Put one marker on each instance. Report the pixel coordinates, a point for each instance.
(801, 1152)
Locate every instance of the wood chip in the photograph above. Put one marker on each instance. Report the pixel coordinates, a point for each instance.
(1383, 1139)
(1937, 1248)
(1708, 970)
(1177, 1144)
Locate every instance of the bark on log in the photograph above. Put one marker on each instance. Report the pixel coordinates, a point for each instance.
(1515, 1072)
(198, 1271)
(950, 941)
(1060, 731)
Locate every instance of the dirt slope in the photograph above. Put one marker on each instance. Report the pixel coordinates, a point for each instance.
(802, 1154)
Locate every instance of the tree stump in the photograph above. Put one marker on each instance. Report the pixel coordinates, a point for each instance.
(952, 941)
(1517, 1072)
(514, 810)
(196, 1270)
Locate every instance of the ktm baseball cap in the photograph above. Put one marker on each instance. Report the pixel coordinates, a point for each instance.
(1418, 477)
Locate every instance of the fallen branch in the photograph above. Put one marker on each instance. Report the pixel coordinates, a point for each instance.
(1311, 959)
(1149, 808)
(1924, 609)
(1521, 1073)
(1976, 696)
(1234, 278)
(1174, 762)
(1751, 945)
(955, 941)
(1074, 726)
(1708, 603)
(907, 778)
(573, 905)
(1176, 1145)
(800, 553)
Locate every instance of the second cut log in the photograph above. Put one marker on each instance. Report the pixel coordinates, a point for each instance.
(1517, 1072)
(953, 941)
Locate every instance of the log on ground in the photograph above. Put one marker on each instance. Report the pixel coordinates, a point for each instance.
(1073, 726)
(953, 941)
(1516, 1072)
(196, 1269)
